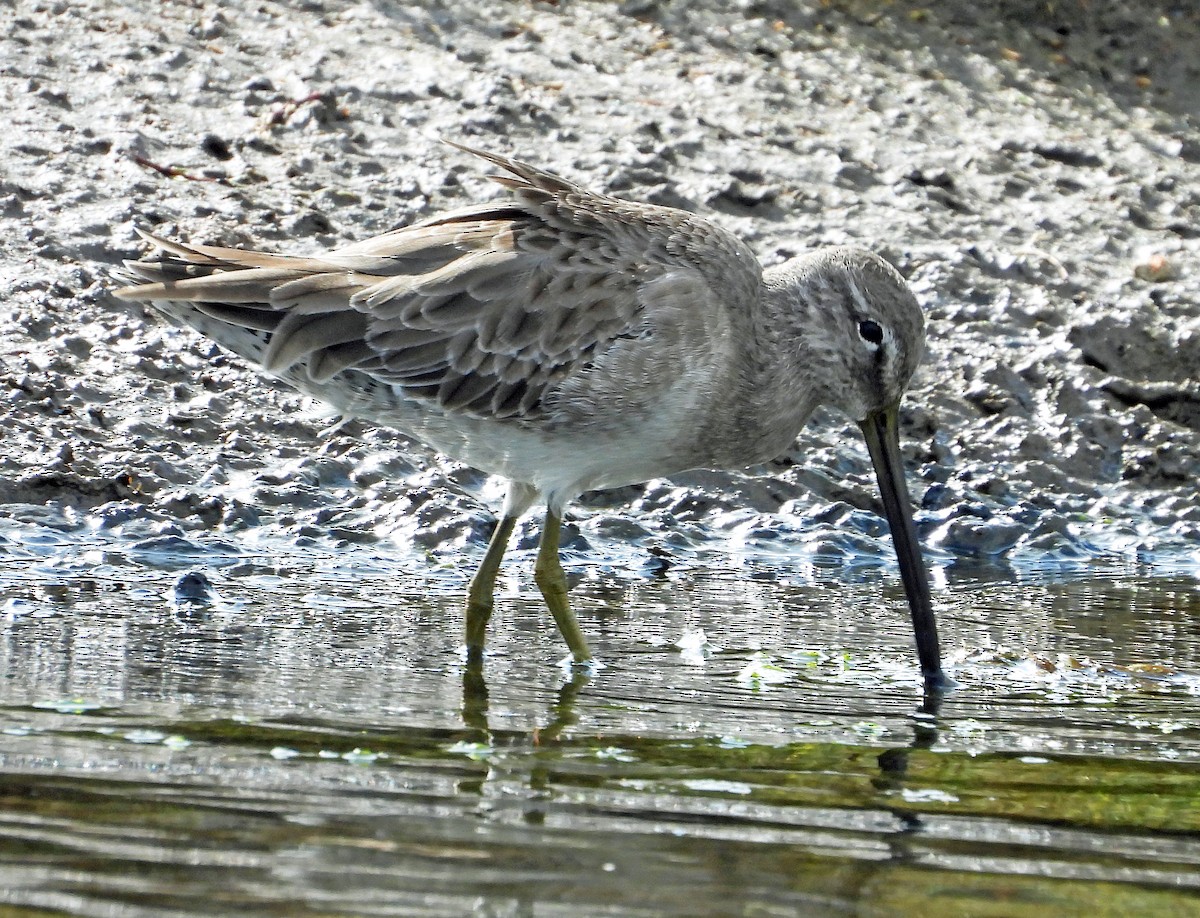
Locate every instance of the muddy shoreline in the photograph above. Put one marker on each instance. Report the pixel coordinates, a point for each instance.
(1033, 175)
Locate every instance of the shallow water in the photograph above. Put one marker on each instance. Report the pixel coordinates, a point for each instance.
(306, 742)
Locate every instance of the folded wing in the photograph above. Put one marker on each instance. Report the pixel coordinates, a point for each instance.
(484, 310)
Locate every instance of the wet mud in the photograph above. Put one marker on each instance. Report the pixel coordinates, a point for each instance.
(1033, 174)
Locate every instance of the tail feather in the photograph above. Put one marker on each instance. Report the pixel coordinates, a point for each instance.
(204, 288)
(249, 336)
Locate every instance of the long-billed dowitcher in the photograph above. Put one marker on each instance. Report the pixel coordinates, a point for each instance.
(569, 341)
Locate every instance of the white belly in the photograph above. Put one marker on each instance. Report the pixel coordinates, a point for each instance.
(560, 462)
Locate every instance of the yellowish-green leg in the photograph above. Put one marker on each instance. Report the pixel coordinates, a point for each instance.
(549, 576)
(483, 588)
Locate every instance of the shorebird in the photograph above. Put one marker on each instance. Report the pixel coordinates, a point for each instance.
(570, 341)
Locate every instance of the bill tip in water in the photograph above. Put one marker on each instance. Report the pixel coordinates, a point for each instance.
(938, 682)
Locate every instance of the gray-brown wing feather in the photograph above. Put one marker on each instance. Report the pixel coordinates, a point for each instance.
(485, 310)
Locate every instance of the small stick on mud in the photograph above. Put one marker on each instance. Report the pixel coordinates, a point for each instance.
(173, 171)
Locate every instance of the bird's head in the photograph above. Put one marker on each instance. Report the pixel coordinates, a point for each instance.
(862, 329)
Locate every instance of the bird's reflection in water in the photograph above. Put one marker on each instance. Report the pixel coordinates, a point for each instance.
(520, 780)
(562, 712)
(475, 701)
(893, 763)
(893, 775)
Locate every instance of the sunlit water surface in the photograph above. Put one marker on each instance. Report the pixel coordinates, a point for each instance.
(307, 742)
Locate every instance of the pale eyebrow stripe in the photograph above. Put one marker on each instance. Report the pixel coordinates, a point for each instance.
(857, 293)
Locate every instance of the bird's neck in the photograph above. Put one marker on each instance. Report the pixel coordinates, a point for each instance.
(774, 387)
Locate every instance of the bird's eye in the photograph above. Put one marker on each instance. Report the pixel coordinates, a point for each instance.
(871, 332)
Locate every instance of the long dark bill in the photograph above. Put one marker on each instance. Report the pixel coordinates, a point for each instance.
(883, 440)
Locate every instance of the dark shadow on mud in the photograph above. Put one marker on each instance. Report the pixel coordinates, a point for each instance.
(1139, 54)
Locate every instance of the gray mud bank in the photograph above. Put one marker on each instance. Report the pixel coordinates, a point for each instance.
(1034, 173)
